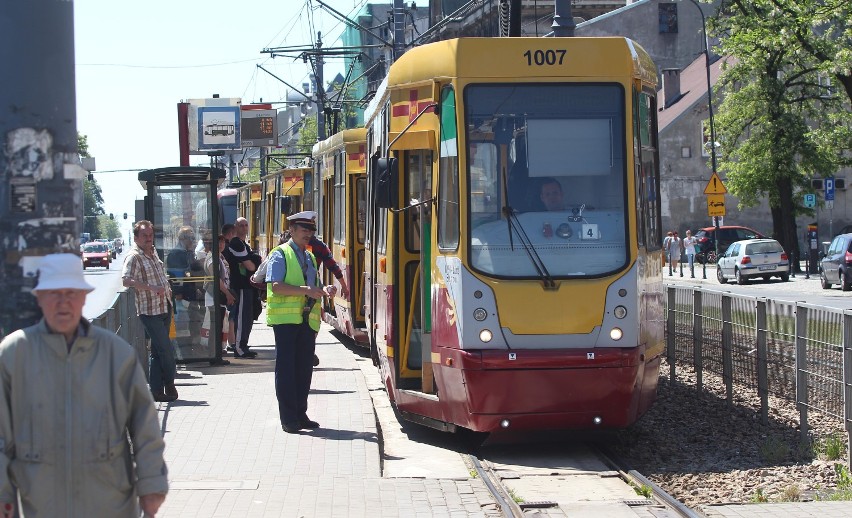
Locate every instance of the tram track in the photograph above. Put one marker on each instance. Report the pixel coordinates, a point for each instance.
(552, 491)
(631, 476)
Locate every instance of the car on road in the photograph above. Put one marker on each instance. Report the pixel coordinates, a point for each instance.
(753, 258)
(705, 248)
(96, 254)
(834, 267)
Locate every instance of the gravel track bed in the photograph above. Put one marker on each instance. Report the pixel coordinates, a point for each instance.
(704, 451)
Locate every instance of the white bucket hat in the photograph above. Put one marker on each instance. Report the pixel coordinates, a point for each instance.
(61, 272)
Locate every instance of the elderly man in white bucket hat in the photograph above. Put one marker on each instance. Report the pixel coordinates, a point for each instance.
(70, 396)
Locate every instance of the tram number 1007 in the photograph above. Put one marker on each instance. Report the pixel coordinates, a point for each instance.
(545, 57)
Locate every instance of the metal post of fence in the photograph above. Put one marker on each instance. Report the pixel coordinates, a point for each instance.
(110, 323)
(727, 349)
(847, 383)
(670, 331)
(801, 369)
(762, 368)
(698, 338)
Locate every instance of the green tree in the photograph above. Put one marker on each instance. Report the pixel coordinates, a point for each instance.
(307, 136)
(823, 30)
(108, 228)
(93, 199)
(773, 101)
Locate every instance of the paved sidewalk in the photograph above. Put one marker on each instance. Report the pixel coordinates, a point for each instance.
(228, 457)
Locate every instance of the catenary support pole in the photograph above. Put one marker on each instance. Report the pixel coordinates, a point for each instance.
(41, 184)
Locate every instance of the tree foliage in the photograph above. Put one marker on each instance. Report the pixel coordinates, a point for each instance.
(93, 199)
(107, 227)
(307, 136)
(778, 124)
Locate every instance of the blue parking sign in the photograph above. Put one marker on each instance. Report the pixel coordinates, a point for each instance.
(810, 201)
(829, 188)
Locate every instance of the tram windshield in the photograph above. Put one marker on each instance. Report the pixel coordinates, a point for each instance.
(553, 155)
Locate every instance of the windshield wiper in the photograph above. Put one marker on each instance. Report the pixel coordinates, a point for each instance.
(529, 248)
(514, 224)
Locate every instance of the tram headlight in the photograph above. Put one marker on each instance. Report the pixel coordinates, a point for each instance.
(485, 335)
(620, 312)
(480, 314)
(616, 333)
(505, 423)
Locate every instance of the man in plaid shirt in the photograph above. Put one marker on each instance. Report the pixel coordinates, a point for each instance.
(144, 272)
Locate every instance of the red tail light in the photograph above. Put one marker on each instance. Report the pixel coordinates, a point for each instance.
(783, 256)
(849, 257)
(703, 240)
(746, 260)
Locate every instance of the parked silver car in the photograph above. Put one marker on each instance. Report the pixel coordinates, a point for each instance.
(753, 258)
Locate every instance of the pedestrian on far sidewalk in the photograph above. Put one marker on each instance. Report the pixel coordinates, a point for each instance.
(674, 252)
(689, 243)
(293, 312)
(79, 434)
(144, 272)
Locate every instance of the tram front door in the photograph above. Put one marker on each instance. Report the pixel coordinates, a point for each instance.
(181, 204)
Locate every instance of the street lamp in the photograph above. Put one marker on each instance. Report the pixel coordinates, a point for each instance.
(710, 111)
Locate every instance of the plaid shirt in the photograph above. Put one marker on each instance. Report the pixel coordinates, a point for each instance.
(148, 270)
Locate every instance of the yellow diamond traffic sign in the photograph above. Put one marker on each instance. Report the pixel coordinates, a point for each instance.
(715, 205)
(715, 186)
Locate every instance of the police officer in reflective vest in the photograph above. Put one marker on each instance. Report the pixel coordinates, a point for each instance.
(293, 290)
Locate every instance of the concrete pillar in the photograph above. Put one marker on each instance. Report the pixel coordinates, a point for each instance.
(40, 172)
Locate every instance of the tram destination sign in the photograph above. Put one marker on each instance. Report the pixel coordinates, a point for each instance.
(259, 128)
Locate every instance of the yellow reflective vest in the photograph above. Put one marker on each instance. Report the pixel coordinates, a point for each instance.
(287, 309)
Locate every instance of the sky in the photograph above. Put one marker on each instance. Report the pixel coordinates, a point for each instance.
(136, 60)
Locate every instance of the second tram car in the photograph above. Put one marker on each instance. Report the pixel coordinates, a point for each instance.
(340, 198)
(513, 272)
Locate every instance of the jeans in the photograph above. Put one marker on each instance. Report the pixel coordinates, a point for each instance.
(162, 361)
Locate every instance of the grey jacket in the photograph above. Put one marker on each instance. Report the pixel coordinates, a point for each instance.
(68, 421)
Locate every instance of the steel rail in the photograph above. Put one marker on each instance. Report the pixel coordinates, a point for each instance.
(509, 507)
(631, 475)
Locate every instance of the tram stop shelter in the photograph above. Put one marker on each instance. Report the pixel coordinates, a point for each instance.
(181, 203)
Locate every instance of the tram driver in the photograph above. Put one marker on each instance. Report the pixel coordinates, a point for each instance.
(550, 194)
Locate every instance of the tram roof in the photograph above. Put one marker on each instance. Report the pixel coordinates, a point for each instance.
(340, 138)
(492, 58)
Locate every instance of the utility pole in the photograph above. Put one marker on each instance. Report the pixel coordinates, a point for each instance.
(398, 28)
(42, 180)
(320, 93)
(563, 20)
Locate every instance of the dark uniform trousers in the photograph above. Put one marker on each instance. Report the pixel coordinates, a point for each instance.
(294, 367)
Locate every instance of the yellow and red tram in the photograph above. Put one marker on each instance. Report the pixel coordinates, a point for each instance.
(512, 271)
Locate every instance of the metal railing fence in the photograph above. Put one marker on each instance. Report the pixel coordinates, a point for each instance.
(796, 351)
(121, 318)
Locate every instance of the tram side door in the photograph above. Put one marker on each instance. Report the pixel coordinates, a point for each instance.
(417, 269)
